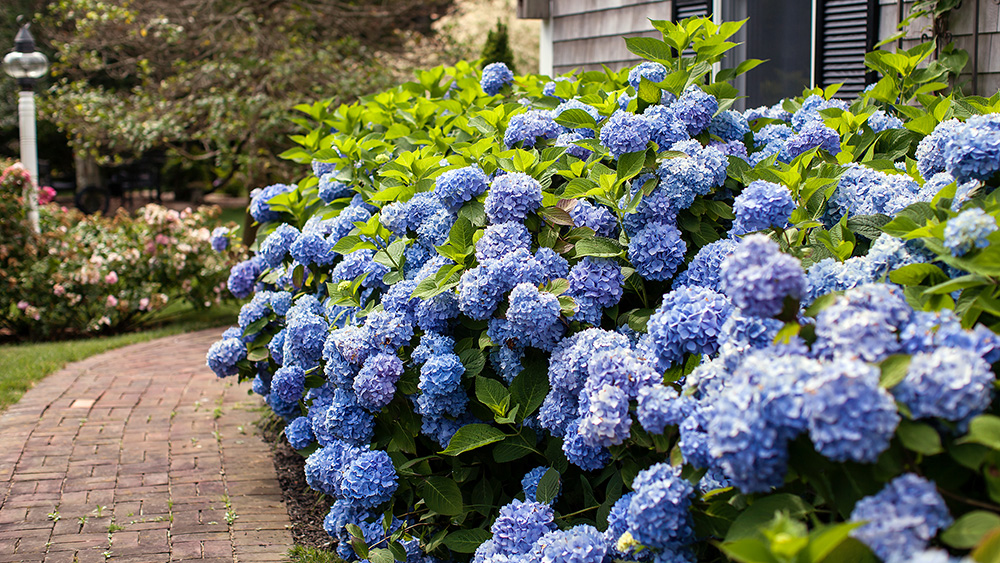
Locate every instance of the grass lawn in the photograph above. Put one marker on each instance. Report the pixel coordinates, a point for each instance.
(21, 365)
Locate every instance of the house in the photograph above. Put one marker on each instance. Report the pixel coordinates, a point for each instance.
(818, 42)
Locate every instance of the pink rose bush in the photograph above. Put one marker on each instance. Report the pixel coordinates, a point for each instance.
(93, 274)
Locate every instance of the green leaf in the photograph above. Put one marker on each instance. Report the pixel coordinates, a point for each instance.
(493, 394)
(461, 233)
(466, 541)
(915, 274)
(868, 226)
(258, 354)
(548, 486)
(380, 555)
(919, 437)
(472, 436)
(556, 216)
(988, 551)
(649, 48)
(630, 163)
(398, 551)
(985, 430)
(748, 550)
(894, 370)
(970, 529)
(576, 119)
(598, 246)
(762, 511)
(442, 495)
(530, 387)
(516, 446)
(825, 540)
(473, 360)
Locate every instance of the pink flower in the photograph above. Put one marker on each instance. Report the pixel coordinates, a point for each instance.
(144, 303)
(58, 290)
(46, 194)
(112, 301)
(162, 239)
(111, 278)
(22, 305)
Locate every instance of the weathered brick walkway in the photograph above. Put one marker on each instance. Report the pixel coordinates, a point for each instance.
(140, 455)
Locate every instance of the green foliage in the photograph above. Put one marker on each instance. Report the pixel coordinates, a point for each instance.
(497, 48)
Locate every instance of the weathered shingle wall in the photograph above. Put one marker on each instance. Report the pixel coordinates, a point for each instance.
(588, 33)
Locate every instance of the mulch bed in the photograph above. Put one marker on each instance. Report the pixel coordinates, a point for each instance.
(306, 507)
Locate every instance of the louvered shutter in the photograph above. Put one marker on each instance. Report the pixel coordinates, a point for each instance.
(684, 9)
(846, 31)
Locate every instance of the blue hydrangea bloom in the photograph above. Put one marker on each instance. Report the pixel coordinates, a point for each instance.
(353, 343)
(729, 126)
(902, 518)
(659, 512)
(758, 277)
(251, 312)
(495, 77)
(519, 525)
(659, 407)
(534, 316)
(772, 112)
(552, 263)
(455, 187)
(851, 417)
(667, 129)
(762, 205)
(375, 383)
(931, 149)
(973, 149)
(299, 433)
(324, 467)
(654, 72)
(387, 330)
(502, 239)
(811, 106)
(595, 283)
(811, 135)
(243, 276)
(224, 354)
(657, 250)
(330, 189)
(688, 321)
(970, 229)
(342, 419)
(320, 168)
(621, 369)
(305, 334)
(863, 191)
(773, 134)
(480, 290)
(682, 179)
(311, 248)
(579, 544)
(512, 196)
(703, 270)
(597, 217)
(580, 452)
(531, 127)
(604, 419)
(732, 148)
(441, 374)
(950, 383)
(259, 208)
(882, 121)
(626, 132)
(695, 109)
(435, 229)
(749, 449)
(369, 480)
(863, 322)
(289, 383)
(219, 239)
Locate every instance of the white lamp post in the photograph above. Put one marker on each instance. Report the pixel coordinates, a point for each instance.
(27, 65)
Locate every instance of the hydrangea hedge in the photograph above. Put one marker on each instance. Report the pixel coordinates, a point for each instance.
(607, 318)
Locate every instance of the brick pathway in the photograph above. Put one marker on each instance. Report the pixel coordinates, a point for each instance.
(139, 455)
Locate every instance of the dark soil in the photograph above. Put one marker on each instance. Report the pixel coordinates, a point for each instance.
(306, 507)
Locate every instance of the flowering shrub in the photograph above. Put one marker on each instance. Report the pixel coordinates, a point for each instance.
(607, 317)
(92, 274)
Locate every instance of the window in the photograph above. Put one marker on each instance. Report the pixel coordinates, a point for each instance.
(684, 9)
(846, 30)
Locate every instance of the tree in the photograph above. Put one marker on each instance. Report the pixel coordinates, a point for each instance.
(497, 47)
(212, 81)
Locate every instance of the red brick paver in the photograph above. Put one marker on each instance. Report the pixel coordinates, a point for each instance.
(139, 455)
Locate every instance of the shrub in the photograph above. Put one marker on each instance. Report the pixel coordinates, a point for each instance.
(752, 340)
(92, 274)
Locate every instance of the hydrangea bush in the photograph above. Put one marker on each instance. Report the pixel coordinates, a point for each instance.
(97, 275)
(607, 317)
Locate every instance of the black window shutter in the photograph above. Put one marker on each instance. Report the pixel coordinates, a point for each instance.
(684, 9)
(847, 29)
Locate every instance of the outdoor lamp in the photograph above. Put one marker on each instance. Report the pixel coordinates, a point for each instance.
(26, 66)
